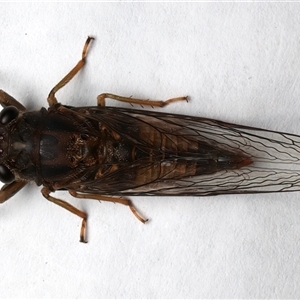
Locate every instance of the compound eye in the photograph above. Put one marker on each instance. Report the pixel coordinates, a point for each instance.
(8, 114)
(6, 176)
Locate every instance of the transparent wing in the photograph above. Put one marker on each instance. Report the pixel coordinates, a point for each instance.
(274, 167)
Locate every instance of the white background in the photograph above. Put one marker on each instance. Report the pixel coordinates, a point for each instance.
(238, 62)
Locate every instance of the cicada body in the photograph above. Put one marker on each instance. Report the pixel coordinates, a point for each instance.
(101, 152)
(116, 151)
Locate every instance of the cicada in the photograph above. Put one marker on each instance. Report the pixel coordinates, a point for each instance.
(109, 153)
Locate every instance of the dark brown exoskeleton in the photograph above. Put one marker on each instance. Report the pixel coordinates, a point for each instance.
(108, 153)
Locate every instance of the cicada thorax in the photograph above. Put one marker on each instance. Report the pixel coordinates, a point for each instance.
(47, 146)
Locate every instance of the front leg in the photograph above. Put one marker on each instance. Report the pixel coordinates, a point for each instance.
(7, 100)
(9, 190)
(51, 97)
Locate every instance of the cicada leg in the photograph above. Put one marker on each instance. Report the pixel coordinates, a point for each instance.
(120, 200)
(7, 100)
(8, 190)
(46, 193)
(51, 97)
(160, 103)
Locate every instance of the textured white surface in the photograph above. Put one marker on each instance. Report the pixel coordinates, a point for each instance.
(238, 62)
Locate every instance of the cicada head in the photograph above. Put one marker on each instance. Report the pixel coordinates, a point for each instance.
(7, 115)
